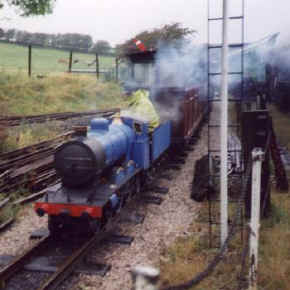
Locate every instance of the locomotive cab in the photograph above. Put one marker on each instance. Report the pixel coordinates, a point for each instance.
(182, 106)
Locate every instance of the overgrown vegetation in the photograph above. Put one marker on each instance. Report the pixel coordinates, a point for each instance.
(20, 95)
(190, 255)
(25, 135)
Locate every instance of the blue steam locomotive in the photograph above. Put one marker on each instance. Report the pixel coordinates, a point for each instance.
(112, 160)
(100, 171)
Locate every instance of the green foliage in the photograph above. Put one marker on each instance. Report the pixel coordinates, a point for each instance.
(171, 33)
(31, 7)
(102, 47)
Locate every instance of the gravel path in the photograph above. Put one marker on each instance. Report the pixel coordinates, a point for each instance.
(162, 225)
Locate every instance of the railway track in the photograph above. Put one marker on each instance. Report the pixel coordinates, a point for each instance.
(10, 121)
(64, 267)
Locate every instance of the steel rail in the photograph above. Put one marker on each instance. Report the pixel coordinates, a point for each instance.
(17, 120)
(35, 147)
(4, 202)
(7, 223)
(68, 266)
(18, 262)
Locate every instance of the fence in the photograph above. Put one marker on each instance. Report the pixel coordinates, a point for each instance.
(40, 60)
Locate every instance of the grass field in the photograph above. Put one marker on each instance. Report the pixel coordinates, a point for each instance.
(15, 57)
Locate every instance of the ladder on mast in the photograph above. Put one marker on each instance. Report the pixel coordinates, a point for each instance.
(235, 99)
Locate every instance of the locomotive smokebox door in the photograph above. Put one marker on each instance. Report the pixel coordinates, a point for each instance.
(78, 162)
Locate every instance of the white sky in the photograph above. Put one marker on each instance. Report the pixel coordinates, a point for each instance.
(117, 21)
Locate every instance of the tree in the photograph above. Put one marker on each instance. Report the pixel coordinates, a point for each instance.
(101, 47)
(2, 33)
(30, 7)
(169, 33)
(10, 34)
(73, 40)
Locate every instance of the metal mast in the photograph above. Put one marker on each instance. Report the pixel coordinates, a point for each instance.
(224, 128)
(221, 73)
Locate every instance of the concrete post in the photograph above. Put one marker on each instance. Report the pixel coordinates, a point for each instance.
(257, 158)
(145, 278)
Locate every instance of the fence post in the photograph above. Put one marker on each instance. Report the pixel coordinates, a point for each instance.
(145, 278)
(70, 61)
(29, 60)
(97, 66)
(117, 68)
(257, 158)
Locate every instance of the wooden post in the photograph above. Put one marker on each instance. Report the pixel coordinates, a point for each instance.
(29, 60)
(97, 66)
(145, 278)
(117, 68)
(70, 61)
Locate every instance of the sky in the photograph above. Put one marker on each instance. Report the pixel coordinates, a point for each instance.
(117, 21)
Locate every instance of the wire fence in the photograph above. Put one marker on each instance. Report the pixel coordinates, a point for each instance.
(42, 60)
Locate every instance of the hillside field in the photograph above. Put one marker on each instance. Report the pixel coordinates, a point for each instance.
(15, 58)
